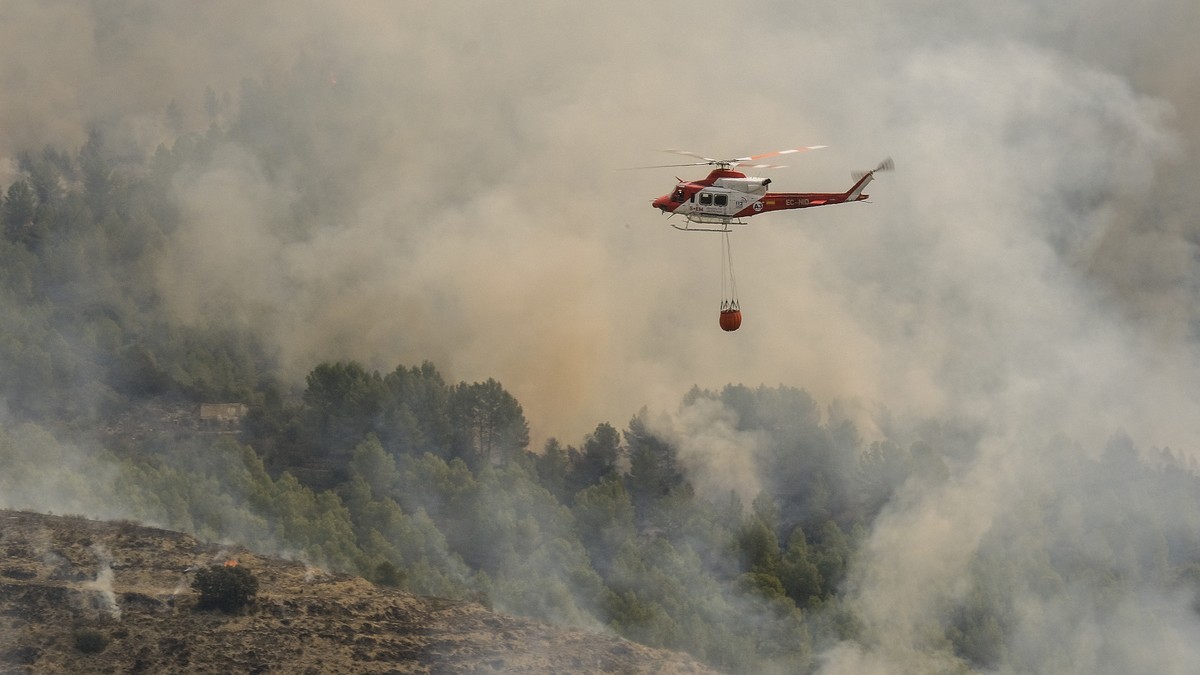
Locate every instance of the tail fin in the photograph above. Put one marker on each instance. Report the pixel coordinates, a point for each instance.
(864, 177)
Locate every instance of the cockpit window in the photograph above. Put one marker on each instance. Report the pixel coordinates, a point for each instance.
(678, 195)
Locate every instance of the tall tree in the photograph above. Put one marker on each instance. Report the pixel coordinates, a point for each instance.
(799, 575)
(599, 458)
(416, 414)
(19, 213)
(96, 165)
(552, 467)
(44, 176)
(345, 402)
(654, 471)
(489, 423)
(604, 515)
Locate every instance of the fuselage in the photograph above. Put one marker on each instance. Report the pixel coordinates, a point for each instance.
(726, 195)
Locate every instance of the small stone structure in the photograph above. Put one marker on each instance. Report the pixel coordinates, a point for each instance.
(223, 414)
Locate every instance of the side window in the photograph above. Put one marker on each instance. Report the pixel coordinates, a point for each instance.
(720, 200)
(706, 199)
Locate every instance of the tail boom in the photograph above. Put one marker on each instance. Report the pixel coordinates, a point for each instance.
(782, 201)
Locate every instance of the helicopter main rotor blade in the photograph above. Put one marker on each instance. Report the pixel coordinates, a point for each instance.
(757, 166)
(789, 151)
(667, 166)
(730, 163)
(689, 153)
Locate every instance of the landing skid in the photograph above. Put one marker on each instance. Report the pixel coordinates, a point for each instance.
(724, 224)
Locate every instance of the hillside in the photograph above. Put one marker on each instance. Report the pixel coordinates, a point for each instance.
(65, 580)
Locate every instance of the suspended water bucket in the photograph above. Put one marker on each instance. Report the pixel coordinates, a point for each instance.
(731, 313)
(731, 320)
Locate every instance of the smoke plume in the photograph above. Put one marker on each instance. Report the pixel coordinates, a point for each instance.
(1031, 265)
(102, 585)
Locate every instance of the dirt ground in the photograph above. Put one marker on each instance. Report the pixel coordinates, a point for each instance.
(81, 596)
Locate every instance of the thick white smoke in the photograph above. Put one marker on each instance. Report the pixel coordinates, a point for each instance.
(717, 456)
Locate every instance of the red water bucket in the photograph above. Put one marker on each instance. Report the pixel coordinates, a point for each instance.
(731, 319)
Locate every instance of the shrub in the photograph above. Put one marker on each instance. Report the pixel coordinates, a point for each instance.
(90, 641)
(228, 588)
(387, 574)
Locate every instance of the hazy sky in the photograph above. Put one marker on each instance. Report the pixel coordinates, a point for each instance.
(1036, 229)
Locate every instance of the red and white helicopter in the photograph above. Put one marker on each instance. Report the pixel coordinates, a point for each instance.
(726, 196)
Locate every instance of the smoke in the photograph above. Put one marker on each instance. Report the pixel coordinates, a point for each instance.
(1031, 265)
(717, 456)
(42, 474)
(102, 586)
(478, 220)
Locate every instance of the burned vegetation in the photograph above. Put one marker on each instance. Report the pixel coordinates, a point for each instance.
(84, 596)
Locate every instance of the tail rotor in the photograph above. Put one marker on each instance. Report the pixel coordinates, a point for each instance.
(885, 165)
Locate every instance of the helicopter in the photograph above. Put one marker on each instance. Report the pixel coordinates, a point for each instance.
(725, 197)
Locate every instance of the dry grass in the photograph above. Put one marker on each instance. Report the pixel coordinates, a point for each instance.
(83, 596)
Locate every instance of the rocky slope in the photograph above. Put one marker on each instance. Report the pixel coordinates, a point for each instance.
(81, 596)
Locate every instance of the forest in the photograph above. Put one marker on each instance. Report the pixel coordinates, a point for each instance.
(430, 485)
